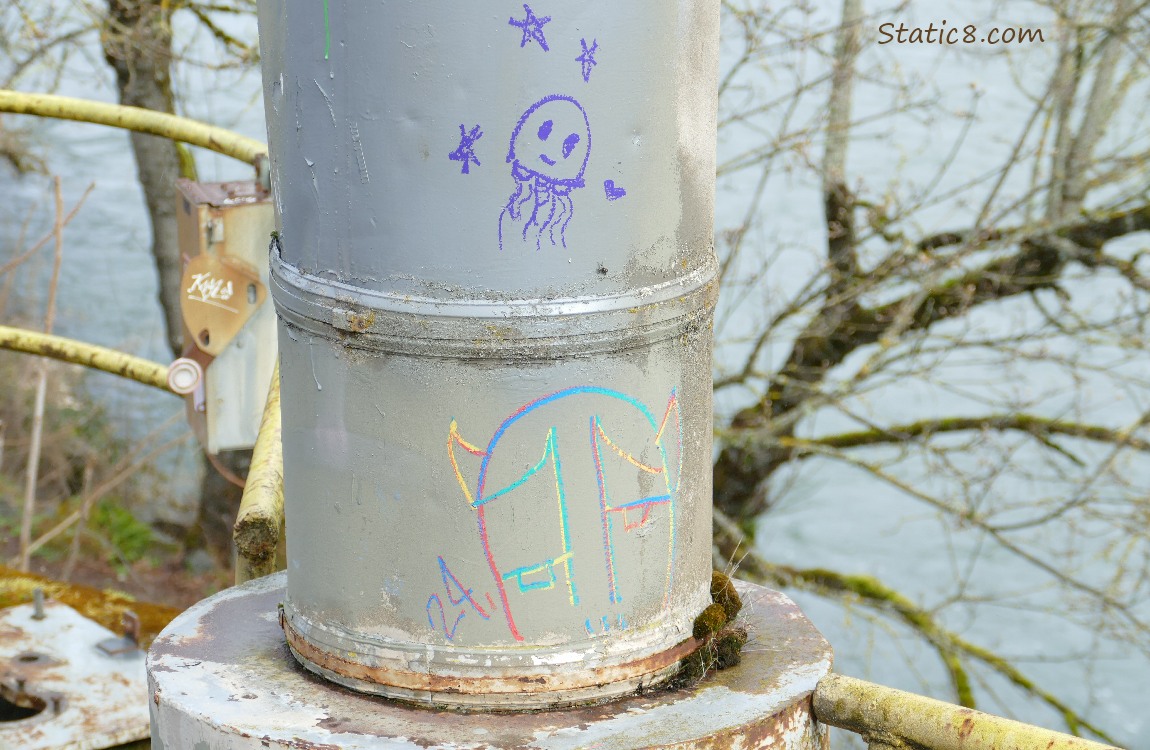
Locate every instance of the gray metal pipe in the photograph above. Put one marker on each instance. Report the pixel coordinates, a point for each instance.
(495, 281)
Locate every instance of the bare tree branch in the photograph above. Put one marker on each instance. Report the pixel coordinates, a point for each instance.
(732, 544)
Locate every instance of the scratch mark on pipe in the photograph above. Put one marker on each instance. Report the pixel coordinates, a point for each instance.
(311, 355)
(357, 146)
(327, 99)
(314, 183)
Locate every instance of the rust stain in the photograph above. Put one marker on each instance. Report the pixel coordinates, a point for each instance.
(545, 683)
(298, 743)
(966, 728)
(359, 322)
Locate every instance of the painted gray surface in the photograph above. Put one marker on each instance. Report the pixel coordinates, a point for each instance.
(220, 674)
(495, 282)
(362, 139)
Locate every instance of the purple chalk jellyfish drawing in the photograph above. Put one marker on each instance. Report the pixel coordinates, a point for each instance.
(548, 154)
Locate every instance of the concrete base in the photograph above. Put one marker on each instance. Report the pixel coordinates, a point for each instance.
(221, 677)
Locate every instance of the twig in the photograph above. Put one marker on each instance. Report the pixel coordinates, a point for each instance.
(102, 490)
(873, 594)
(33, 468)
(45, 239)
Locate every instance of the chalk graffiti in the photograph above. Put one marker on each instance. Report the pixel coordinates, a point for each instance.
(548, 154)
(618, 490)
(451, 585)
(587, 58)
(613, 191)
(532, 27)
(465, 152)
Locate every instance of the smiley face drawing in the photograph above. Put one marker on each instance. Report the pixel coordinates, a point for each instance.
(548, 153)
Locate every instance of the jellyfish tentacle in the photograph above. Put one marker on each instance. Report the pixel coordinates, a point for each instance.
(515, 201)
(548, 223)
(570, 215)
(562, 201)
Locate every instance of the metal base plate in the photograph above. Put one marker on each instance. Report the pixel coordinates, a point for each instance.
(87, 697)
(221, 676)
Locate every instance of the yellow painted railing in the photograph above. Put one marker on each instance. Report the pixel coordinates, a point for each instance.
(170, 126)
(89, 355)
(889, 718)
(259, 528)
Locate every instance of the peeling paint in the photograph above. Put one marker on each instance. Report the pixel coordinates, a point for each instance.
(762, 703)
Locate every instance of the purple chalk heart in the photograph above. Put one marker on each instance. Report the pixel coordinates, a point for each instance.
(613, 193)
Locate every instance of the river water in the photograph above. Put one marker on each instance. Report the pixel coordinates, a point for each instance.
(825, 514)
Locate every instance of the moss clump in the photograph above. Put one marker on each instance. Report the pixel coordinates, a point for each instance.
(723, 593)
(729, 645)
(721, 639)
(105, 606)
(693, 667)
(709, 621)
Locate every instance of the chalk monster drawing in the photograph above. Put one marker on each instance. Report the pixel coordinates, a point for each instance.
(607, 463)
(548, 154)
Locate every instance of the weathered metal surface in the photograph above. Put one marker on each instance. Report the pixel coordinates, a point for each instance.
(83, 697)
(219, 296)
(495, 279)
(224, 229)
(888, 717)
(503, 692)
(221, 675)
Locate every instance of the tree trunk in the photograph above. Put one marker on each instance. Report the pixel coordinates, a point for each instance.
(137, 41)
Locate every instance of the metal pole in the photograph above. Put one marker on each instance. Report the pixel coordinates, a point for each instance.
(495, 281)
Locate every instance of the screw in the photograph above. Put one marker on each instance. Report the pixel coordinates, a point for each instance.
(38, 603)
(131, 622)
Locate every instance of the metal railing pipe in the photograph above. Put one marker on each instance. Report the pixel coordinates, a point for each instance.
(141, 120)
(89, 355)
(886, 716)
(258, 531)
(495, 280)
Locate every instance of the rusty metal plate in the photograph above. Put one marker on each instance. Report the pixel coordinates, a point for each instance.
(218, 296)
(59, 690)
(220, 674)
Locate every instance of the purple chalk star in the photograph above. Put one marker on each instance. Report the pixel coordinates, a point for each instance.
(532, 27)
(588, 58)
(466, 151)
